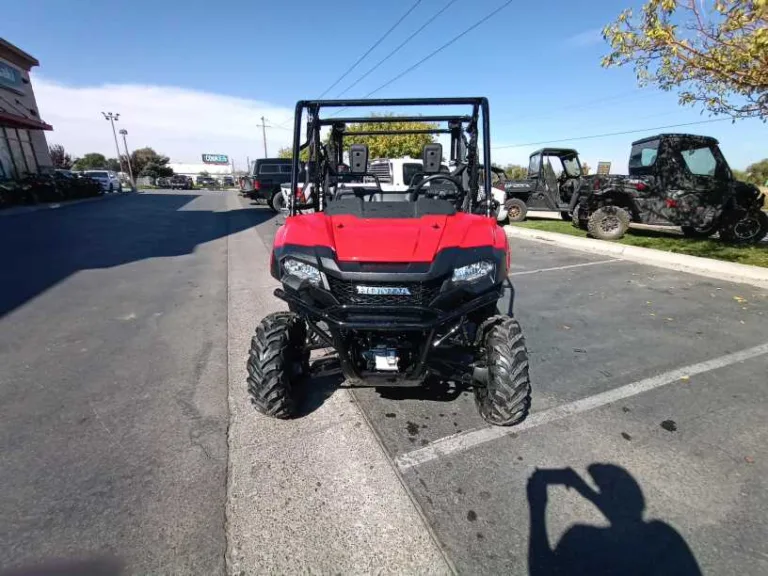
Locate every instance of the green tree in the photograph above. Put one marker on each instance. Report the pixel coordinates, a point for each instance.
(114, 165)
(395, 146)
(142, 158)
(740, 175)
(516, 172)
(91, 161)
(287, 152)
(204, 174)
(757, 173)
(713, 52)
(59, 157)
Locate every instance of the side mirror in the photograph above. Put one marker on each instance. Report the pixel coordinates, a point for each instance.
(358, 159)
(432, 157)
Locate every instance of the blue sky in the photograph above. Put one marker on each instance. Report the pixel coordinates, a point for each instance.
(195, 76)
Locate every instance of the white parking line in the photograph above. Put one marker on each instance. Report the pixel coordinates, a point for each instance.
(565, 267)
(470, 438)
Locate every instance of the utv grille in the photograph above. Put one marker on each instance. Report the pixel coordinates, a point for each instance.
(420, 293)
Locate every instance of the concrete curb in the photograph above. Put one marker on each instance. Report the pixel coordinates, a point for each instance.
(58, 205)
(730, 271)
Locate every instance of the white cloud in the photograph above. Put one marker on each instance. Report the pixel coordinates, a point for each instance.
(177, 122)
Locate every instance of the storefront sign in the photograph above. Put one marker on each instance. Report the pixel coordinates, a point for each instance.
(10, 78)
(215, 159)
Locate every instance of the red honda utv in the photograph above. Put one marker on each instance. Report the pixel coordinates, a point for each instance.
(404, 286)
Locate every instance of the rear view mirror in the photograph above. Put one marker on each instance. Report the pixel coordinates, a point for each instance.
(358, 158)
(432, 158)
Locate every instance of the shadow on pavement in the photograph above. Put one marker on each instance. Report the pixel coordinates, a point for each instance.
(43, 248)
(630, 545)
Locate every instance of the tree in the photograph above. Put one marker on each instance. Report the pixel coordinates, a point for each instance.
(713, 52)
(516, 172)
(142, 158)
(285, 152)
(59, 157)
(204, 174)
(395, 146)
(585, 168)
(740, 175)
(757, 173)
(91, 161)
(114, 165)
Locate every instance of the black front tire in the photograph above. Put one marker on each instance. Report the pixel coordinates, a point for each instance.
(608, 223)
(277, 361)
(506, 398)
(516, 209)
(565, 216)
(277, 202)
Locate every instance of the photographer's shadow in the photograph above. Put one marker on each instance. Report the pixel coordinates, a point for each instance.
(630, 545)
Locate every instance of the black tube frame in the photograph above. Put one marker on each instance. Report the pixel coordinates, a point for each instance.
(459, 146)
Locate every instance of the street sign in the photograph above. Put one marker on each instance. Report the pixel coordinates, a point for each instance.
(215, 159)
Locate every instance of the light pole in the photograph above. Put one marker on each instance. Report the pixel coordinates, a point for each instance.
(112, 119)
(124, 133)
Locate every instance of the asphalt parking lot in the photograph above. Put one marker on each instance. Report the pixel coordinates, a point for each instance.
(126, 435)
(649, 400)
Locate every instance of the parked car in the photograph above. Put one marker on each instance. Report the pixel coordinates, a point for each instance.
(109, 180)
(163, 182)
(674, 180)
(265, 180)
(181, 182)
(207, 182)
(227, 181)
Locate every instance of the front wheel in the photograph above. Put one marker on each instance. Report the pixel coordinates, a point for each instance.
(277, 361)
(565, 216)
(506, 397)
(577, 220)
(608, 223)
(277, 202)
(744, 228)
(516, 209)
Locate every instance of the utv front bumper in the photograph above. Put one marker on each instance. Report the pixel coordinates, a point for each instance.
(433, 322)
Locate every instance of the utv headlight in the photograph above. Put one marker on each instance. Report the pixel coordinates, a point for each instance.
(473, 271)
(302, 270)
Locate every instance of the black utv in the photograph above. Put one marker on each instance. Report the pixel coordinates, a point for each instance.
(674, 180)
(554, 177)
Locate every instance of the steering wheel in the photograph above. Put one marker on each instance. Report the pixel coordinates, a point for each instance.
(434, 178)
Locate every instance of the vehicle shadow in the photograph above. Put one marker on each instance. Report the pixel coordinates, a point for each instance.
(629, 545)
(40, 249)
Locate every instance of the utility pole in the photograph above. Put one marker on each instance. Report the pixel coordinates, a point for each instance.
(112, 119)
(248, 165)
(264, 134)
(124, 133)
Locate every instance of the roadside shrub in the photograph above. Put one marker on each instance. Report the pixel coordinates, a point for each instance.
(41, 188)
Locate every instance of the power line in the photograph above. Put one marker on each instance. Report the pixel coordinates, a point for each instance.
(399, 47)
(379, 41)
(611, 134)
(441, 48)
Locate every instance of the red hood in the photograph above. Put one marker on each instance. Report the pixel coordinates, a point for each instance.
(390, 239)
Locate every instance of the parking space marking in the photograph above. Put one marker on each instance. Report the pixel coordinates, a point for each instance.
(565, 267)
(470, 438)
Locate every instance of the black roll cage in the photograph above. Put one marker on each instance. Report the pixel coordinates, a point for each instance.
(463, 151)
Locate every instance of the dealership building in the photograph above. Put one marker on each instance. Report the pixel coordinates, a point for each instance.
(216, 165)
(23, 148)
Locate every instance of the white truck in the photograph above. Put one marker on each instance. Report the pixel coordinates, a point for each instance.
(394, 175)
